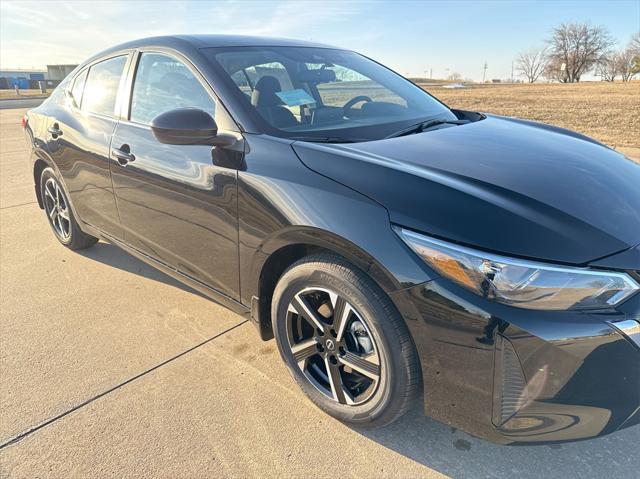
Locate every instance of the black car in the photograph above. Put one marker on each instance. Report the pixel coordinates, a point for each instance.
(394, 247)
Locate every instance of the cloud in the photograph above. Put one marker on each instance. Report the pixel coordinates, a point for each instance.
(305, 16)
(23, 14)
(70, 7)
(35, 33)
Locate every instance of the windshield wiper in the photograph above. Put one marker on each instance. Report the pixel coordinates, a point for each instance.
(425, 125)
(327, 139)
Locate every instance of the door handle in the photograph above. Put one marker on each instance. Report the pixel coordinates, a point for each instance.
(123, 155)
(55, 130)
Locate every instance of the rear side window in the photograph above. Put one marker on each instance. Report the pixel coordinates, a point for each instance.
(274, 69)
(163, 83)
(246, 78)
(78, 87)
(101, 86)
(58, 96)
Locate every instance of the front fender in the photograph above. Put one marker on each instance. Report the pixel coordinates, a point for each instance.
(316, 237)
(282, 203)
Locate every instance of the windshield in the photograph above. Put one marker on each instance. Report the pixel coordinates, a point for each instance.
(303, 92)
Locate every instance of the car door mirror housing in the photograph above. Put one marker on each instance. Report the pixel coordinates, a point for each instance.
(185, 126)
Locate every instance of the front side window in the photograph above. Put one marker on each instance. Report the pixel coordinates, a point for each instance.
(101, 86)
(321, 92)
(163, 83)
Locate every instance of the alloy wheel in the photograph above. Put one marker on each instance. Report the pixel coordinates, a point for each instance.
(333, 346)
(57, 209)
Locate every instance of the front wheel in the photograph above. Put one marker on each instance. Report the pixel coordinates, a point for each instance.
(344, 342)
(59, 214)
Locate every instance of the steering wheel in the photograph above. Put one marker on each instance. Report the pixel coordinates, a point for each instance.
(348, 109)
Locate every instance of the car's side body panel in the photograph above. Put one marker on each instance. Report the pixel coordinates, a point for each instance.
(81, 155)
(178, 203)
(177, 206)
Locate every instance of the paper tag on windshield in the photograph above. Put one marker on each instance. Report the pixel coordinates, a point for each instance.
(295, 97)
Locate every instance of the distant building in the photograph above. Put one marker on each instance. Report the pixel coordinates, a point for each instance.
(23, 78)
(29, 79)
(59, 72)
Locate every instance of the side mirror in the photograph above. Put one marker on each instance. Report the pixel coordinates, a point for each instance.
(185, 126)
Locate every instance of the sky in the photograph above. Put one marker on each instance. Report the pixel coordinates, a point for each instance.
(412, 37)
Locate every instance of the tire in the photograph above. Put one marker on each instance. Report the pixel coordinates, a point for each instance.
(59, 213)
(308, 303)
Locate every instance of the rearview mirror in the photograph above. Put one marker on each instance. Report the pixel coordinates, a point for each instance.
(185, 126)
(321, 75)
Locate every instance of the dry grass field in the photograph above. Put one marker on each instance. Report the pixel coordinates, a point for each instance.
(608, 112)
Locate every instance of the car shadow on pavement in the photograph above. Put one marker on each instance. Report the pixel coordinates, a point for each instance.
(460, 455)
(111, 255)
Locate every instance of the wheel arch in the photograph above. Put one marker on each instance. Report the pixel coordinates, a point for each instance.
(41, 161)
(39, 166)
(278, 253)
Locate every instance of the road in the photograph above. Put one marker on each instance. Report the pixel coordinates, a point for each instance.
(10, 104)
(112, 369)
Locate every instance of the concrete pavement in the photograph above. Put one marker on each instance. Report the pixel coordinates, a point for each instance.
(109, 368)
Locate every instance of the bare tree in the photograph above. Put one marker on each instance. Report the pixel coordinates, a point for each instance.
(626, 63)
(634, 44)
(555, 71)
(455, 76)
(532, 63)
(634, 48)
(579, 47)
(608, 67)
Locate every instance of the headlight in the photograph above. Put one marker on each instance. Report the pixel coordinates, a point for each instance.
(520, 283)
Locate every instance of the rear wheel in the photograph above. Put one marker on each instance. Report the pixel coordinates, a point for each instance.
(59, 214)
(344, 342)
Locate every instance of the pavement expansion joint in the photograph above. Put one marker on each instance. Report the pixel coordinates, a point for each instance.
(15, 206)
(49, 421)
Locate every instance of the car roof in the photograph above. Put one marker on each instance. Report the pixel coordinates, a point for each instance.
(207, 40)
(186, 42)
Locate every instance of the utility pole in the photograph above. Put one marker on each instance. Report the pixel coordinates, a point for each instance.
(431, 73)
(484, 71)
(511, 72)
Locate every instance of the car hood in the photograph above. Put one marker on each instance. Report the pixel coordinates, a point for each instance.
(500, 184)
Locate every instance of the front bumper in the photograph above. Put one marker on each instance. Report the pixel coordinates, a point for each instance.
(520, 376)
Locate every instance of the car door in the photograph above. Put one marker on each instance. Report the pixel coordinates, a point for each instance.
(79, 138)
(176, 203)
